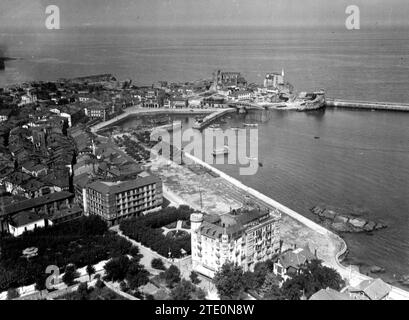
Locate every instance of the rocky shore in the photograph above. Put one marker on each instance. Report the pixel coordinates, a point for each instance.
(341, 220)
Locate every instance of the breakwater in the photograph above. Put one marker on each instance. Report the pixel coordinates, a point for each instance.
(212, 117)
(369, 105)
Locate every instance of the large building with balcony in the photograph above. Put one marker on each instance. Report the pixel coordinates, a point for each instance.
(242, 236)
(114, 201)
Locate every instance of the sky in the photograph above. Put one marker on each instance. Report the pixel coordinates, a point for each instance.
(128, 13)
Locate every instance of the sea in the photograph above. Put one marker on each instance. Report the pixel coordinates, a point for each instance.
(361, 159)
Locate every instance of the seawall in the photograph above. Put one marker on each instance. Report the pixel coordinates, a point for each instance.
(368, 105)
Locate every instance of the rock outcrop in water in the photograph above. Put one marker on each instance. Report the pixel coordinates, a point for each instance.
(340, 221)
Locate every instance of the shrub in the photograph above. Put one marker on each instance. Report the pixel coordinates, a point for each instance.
(12, 293)
(171, 276)
(158, 264)
(194, 277)
(70, 274)
(116, 268)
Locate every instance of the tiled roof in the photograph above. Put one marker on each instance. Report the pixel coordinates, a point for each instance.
(330, 294)
(35, 202)
(25, 218)
(296, 258)
(375, 289)
(113, 188)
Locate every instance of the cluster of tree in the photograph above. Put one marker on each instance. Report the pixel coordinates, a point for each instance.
(99, 292)
(171, 276)
(145, 138)
(186, 290)
(231, 282)
(122, 268)
(135, 150)
(147, 230)
(81, 242)
(312, 278)
(157, 263)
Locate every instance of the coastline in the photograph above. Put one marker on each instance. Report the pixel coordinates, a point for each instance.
(354, 277)
(337, 243)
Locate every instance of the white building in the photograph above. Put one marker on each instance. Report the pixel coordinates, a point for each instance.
(63, 115)
(242, 237)
(242, 95)
(25, 221)
(28, 98)
(274, 79)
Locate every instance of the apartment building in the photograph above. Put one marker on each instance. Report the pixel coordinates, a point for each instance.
(114, 201)
(242, 236)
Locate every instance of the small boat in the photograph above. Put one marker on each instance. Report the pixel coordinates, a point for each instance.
(316, 137)
(260, 164)
(222, 151)
(250, 124)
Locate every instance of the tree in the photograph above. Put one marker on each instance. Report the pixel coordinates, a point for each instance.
(99, 284)
(134, 252)
(171, 276)
(90, 270)
(82, 291)
(200, 294)
(261, 269)
(229, 281)
(274, 293)
(12, 293)
(194, 277)
(185, 290)
(137, 275)
(116, 268)
(249, 280)
(157, 263)
(40, 284)
(270, 281)
(70, 275)
(182, 291)
(123, 286)
(313, 277)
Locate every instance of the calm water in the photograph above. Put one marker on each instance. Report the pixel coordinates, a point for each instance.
(361, 159)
